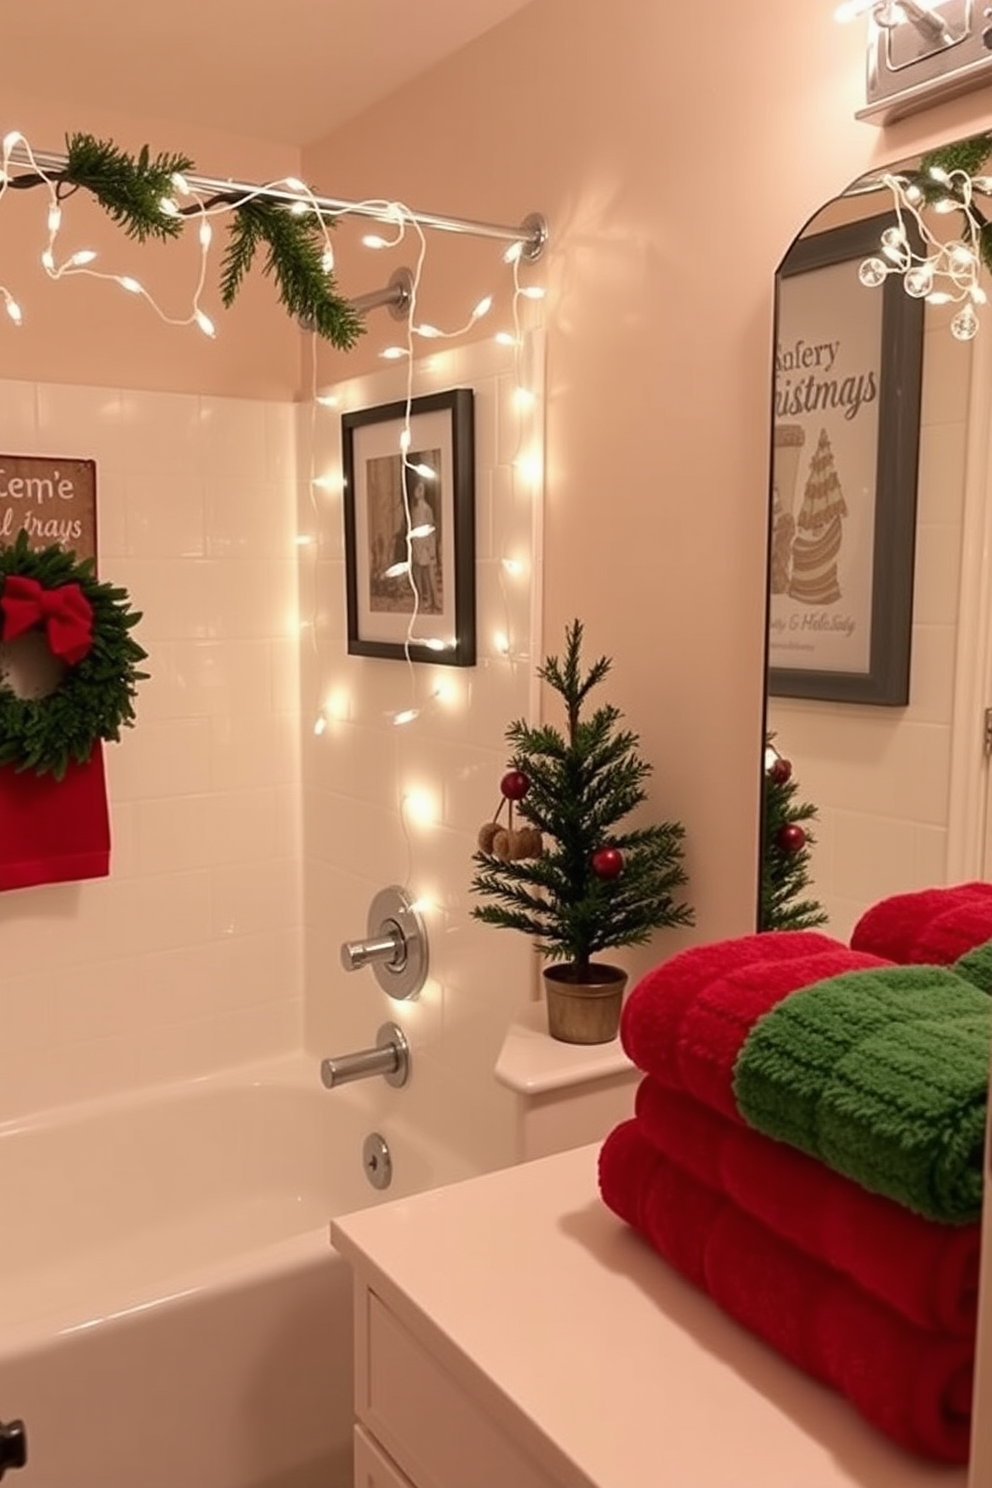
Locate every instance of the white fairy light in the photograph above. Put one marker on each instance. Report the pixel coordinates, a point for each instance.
(941, 271)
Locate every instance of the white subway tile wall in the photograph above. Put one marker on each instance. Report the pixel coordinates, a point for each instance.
(246, 848)
(188, 957)
(360, 834)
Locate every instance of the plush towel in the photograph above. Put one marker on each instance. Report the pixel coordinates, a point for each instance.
(913, 1385)
(926, 1271)
(976, 966)
(686, 1020)
(883, 1075)
(929, 927)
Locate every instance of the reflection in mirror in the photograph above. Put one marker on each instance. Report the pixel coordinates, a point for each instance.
(871, 424)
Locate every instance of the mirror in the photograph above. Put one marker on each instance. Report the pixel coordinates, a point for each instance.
(874, 434)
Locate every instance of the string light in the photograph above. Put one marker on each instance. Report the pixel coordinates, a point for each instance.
(940, 271)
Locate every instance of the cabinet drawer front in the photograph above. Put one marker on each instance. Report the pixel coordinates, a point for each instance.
(426, 1421)
(373, 1468)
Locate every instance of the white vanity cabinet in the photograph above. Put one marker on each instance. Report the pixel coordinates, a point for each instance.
(512, 1333)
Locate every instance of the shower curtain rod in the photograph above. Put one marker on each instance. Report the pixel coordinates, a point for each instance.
(532, 233)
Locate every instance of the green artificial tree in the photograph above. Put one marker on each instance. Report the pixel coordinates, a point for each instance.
(785, 851)
(573, 879)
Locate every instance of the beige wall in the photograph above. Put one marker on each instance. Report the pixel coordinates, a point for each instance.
(674, 177)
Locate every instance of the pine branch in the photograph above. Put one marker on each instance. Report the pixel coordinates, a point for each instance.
(295, 248)
(130, 191)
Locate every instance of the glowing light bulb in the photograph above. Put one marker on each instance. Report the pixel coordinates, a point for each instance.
(131, 285)
(14, 311)
(396, 570)
(393, 353)
(505, 339)
(429, 332)
(940, 174)
(82, 257)
(406, 715)
(54, 218)
(206, 234)
(872, 272)
(483, 307)
(180, 182)
(512, 254)
(532, 292)
(964, 326)
(427, 471)
(48, 260)
(918, 281)
(405, 440)
(320, 725)
(168, 206)
(327, 260)
(10, 140)
(328, 400)
(419, 807)
(205, 323)
(300, 209)
(424, 530)
(523, 397)
(294, 183)
(373, 240)
(529, 467)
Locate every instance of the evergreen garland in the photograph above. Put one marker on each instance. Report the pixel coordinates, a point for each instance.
(295, 258)
(580, 786)
(95, 698)
(967, 155)
(131, 191)
(785, 870)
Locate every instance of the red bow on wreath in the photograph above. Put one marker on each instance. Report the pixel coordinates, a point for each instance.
(65, 613)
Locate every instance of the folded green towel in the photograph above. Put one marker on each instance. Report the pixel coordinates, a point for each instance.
(976, 966)
(883, 1075)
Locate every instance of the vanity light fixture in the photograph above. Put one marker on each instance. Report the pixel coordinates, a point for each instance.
(920, 52)
(942, 271)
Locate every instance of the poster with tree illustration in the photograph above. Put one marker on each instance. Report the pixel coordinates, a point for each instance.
(844, 449)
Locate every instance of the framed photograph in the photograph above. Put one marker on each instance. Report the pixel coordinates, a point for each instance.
(409, 529)
(845, 447)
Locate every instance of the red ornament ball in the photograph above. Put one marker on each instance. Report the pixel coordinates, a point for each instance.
(780, 771)
(607, 862)
(791, 838)
(514, 785)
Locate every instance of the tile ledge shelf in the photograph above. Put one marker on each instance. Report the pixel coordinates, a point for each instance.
(531, 1061)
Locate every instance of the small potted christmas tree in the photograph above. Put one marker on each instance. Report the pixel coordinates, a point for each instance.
(570, 877)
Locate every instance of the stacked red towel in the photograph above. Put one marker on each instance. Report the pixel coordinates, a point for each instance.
(913, 1385)
(930, 927)
(853, 1288)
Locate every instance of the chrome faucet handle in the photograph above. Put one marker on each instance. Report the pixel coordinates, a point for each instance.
(395, 947)
(390, 1058)
(390, 947)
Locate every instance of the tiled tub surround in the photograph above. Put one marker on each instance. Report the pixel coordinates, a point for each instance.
(187, 958)
(170, 1310)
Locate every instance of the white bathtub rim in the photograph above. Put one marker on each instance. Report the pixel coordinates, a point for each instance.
(296, 1070)
(248, 1267)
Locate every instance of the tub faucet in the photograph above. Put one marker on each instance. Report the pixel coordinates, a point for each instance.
(390, 1058)
(13, 1446)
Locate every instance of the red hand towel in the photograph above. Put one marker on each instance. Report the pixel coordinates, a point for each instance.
(54, 831)
(913, 1385)
(904, 927)
(686, 1020)
(926, 1271)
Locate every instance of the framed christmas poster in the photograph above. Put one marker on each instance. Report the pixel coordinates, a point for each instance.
(845, 447)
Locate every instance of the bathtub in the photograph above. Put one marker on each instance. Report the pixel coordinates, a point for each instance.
(171, 1313)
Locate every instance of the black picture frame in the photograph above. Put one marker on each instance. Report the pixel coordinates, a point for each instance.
(884, 677)
(435, 596)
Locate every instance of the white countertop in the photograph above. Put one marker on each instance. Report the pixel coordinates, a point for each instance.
(564, 1319)
(568, 1319)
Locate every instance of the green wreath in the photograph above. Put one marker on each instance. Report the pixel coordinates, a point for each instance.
(88, 626)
